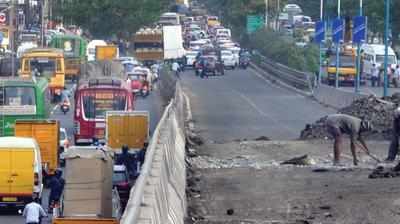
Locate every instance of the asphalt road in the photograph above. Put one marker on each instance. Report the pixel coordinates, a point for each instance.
(244, 105)
(150, 103)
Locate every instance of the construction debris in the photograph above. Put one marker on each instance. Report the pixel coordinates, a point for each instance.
(382, 172)
(378, 112)
(299, 161)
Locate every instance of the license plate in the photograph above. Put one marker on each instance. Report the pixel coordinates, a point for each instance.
(100, 125)
(9, 199)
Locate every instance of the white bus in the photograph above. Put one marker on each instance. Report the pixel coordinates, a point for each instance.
(375, 54)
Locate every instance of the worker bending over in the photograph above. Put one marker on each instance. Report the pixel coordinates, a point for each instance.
(339, 124)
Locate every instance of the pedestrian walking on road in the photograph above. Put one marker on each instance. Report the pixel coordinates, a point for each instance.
(375, 76)
(33, 212)
(176, 69)
(396, 77)
(394, 144)
(56, 188)
(339, 124)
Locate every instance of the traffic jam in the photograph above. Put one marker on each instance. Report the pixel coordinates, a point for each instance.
(71, 139)
(210, 49)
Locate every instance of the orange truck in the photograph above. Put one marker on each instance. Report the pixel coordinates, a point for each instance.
(127, 127)
(109, 52)
(46, 134)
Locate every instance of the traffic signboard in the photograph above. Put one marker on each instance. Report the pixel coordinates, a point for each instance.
(319, 31)
(359, 29)
(337, 30)
(254, 22)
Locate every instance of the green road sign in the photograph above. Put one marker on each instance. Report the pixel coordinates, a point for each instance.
(254, 22)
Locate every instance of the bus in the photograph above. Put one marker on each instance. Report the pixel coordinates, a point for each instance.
(22, 99)
(74, 48)
(48, 63)
(93, 98)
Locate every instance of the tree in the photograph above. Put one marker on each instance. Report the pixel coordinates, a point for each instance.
(104, 18)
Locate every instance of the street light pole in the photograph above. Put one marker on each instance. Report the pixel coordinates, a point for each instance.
(266, 13)
(385, 69)
(358, 67)
(12, 37)
(337, 51)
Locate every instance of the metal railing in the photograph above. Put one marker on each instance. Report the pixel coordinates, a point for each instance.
(298, 79)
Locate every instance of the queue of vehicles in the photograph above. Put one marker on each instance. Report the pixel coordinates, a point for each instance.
(32, 147)
(209, 47)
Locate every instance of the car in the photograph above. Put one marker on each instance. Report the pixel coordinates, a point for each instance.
(120, 180)
(208, 64)
(63, 143)
(228, 59)
(235, 51)
(190, 58)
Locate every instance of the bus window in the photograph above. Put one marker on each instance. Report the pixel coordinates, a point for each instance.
(96, 104)
(45, 66)
(18, 96)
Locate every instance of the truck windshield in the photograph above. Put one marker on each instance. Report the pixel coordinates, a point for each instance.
(345, 62)
(96, 103)
(380, 59)
(45, 66)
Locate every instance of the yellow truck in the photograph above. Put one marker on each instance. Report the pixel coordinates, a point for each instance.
(127, 127)
(45, 62)
(109, 52)
(148, 44)
(46, 133)
(20, 171)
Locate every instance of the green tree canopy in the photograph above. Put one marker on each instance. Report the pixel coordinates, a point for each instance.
(104, 18)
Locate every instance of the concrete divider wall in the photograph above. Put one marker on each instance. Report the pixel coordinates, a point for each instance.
(335, 98)
(159, 196)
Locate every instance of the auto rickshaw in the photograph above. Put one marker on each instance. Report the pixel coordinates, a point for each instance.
(139, 83)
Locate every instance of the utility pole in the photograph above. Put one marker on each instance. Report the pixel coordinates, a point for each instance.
(358, 67)
(321, 17)
(266, 13)
(12, 36)
(385, 69)
(337, 51)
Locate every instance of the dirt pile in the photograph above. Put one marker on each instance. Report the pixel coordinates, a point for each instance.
(378, 112)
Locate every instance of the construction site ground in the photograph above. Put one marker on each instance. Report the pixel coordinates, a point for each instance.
(243, 182)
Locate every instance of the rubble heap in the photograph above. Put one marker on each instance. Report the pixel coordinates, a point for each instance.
(373, 109)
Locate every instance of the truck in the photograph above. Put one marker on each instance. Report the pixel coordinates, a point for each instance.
(127, 127)
(46, 133)
(88, 196)
(159, 43)
(20, 171)
(108, 52)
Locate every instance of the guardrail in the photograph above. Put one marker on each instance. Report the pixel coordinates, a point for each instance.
(292, 77)
(159, 193)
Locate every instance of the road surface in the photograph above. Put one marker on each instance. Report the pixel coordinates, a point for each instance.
(243, 104)
(151, 103)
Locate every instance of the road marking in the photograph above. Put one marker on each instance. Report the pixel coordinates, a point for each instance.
(261, 112)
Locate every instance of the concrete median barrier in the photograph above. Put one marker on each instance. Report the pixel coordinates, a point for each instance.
(159, 195)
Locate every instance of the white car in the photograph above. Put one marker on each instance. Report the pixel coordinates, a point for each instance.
(190, 58)
(228, 59)
(235, 52)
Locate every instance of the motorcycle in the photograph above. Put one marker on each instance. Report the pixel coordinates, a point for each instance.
(244, 62)
(64, 107)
